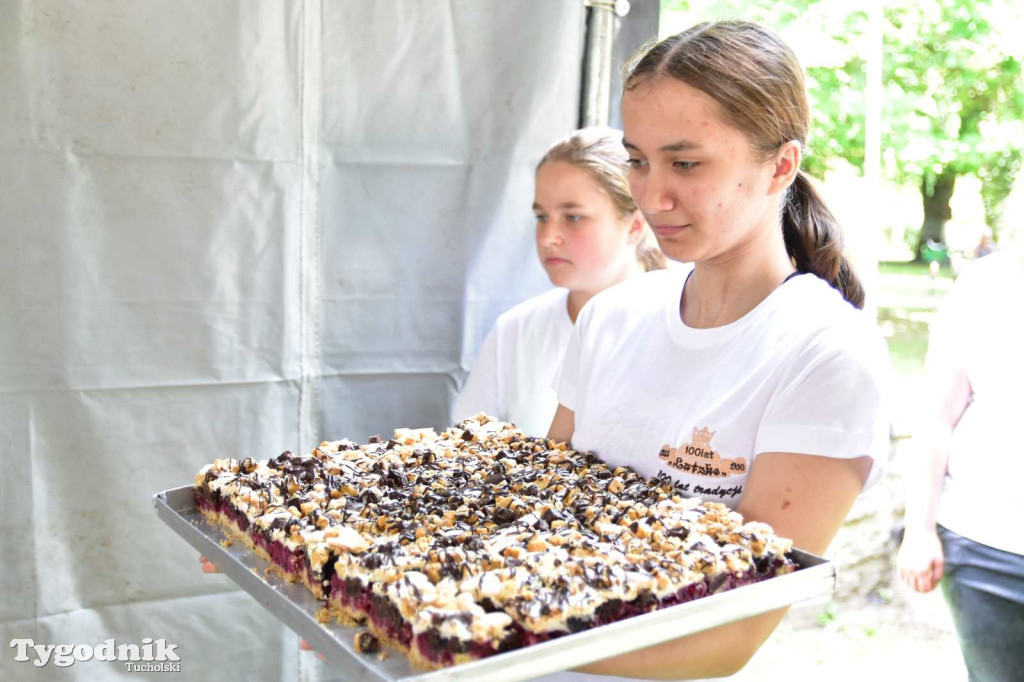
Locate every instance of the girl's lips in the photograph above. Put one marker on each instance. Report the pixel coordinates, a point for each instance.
(555, 261)
(668, 230)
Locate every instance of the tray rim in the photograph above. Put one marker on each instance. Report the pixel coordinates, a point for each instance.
(295, 606)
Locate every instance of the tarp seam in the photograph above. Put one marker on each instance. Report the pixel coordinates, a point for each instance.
(309, 255)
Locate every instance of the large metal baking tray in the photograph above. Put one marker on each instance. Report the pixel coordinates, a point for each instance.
(296, 607)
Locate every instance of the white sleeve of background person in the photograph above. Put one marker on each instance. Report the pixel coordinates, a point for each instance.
(946, 337)
(482, 391)
(980, 330)
(512, 378)
(565, 381)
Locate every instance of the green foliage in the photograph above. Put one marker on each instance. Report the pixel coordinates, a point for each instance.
(952, 72)
(953, 100)
(837, 116)
(835, 69)
(828, 615)
(769, 12)
(952, 89)
(997, 179)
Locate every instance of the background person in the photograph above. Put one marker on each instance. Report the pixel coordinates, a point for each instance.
(963, 529)
(590, 236)
(986, 244)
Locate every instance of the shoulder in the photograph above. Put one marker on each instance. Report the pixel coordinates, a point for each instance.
(551, 304)
(634, 288)
(638, 296)
(824, 326)
(819, 306)
(993, 270)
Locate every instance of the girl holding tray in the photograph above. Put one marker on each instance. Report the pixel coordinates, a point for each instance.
(754, 380)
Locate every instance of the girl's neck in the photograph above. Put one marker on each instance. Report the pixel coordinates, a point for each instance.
(724, 289)
(579, 297)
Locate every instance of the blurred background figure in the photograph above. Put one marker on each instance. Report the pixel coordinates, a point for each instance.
(934, 254)
(964, 515)
(986, 244)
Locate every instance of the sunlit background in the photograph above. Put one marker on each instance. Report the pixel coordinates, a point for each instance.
(917, 139)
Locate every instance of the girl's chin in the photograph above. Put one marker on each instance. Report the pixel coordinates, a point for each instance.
(678, 254)
(559, 277)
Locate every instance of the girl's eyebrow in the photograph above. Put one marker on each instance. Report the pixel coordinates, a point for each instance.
(567, 204)
(680, 146)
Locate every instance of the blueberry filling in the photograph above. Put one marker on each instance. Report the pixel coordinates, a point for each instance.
(419, 512)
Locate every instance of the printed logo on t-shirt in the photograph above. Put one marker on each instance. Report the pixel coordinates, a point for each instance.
(697, 457)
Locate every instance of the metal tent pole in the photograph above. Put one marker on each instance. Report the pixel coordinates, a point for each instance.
(597, 60)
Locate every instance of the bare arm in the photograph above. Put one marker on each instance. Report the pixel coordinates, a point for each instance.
(563, 425)
(920, 561)
(803, 497)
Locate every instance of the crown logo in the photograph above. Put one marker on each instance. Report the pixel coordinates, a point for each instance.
(702, 437)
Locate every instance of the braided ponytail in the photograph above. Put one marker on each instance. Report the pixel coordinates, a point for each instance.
(814, 240)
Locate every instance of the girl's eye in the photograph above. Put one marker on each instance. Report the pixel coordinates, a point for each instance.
(541, 218)
(685, 165)
(573, 218)
(635, 163)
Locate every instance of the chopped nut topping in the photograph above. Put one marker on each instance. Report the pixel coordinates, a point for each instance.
(481, 530)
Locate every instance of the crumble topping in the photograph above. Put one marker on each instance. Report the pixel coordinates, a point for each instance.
(481, 534)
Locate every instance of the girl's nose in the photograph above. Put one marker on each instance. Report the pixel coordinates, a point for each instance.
(655, 195)
(549, 234)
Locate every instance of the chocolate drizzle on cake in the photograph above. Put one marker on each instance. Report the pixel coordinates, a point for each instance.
(481, 539)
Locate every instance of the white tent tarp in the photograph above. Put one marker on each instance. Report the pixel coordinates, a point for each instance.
(236, 228)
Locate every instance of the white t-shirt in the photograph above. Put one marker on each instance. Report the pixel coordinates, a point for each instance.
(513, 375)
(801, 373)
(980, 328)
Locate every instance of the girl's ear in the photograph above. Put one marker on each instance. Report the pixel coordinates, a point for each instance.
(637, 225)
(787, 165)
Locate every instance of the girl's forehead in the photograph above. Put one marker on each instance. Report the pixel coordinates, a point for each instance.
(563, 173)
(562, 177)
(668, 112)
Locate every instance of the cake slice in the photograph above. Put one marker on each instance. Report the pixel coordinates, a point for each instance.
(456, 546)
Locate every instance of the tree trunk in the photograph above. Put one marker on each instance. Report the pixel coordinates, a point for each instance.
(936, 207)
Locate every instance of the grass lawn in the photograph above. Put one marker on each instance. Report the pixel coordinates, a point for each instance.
(910, 286)
(906, 331)
(907, 300)
(911, 268)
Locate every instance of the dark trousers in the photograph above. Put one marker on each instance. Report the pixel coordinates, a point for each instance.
(984, 588)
